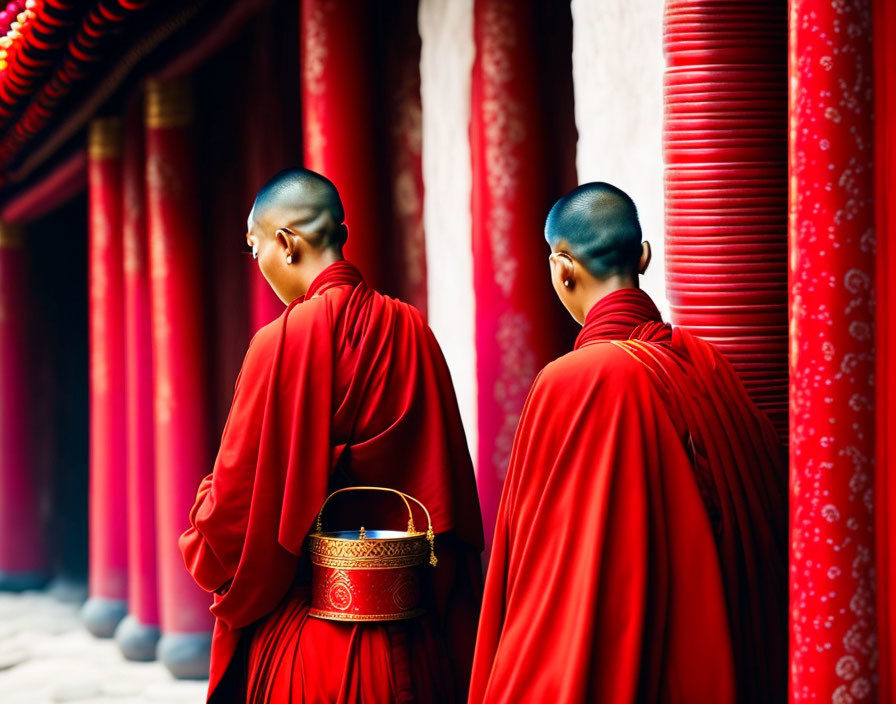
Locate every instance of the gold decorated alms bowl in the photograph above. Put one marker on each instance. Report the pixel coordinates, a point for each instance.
(370, 575)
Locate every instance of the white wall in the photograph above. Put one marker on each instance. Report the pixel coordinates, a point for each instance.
(446, 64)
(618, 78)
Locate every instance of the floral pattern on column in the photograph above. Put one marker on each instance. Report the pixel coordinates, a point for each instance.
(832, 244)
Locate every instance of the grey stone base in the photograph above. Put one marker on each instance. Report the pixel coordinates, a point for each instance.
(102, 616)
(68, 590)
(21, 581)
(136, 640)
(186, 655)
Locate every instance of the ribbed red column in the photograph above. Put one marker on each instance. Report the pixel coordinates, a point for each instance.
(885, 305)
(138, 633)
(108, 461)
(833, 630)
(340, 121)
(725, 148)
(181, 413)
(23, 560)
(519, 323)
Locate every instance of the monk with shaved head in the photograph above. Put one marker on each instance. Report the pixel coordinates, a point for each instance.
(640, 548)
(346, 388)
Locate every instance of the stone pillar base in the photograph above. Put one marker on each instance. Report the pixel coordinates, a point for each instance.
(21, 581)
(68, 590)
(137, 641)
(186, 655)
(101, 615)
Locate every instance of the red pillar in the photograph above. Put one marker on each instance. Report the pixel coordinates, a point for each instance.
(107, 604)
(403, 111)
(885, 304)
(519, 322)
(268, 131)
(340, 120)
(181, 413)
(22, 557)
(725, 148)
(138, 633)
(832, 388)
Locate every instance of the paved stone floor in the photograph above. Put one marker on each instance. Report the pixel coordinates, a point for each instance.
(46, 656)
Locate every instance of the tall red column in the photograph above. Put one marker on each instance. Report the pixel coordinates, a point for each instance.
(108, 565)
(340, 121)
(403, 112)
(832, 388)
(22, 555)
(885, 304)
(518, 319)
(138, 634)
(181, 413)
(725, 148)
(268, 131)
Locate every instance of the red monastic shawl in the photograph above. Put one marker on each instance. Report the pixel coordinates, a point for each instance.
(640, 552)
(347, 387)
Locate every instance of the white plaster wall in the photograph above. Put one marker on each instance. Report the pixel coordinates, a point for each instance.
(446, 63)
(618, 78)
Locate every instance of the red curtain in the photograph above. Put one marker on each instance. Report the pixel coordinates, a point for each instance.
(833, 640)
(725, 146)
(181, 410)
(520, 326)
(885, 381)
(108, 460)
(142, 570)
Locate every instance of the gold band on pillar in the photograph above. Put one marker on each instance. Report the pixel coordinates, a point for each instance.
(10, 236)
(168, 104)
(104, 138)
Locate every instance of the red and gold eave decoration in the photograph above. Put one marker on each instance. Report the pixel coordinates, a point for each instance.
(14, 21)
(47, 56)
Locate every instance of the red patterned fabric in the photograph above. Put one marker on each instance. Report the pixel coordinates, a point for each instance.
(108, 458)
(181, 413)
(21, 546)
(885, 346)
(519, 323)
(307, 418)
(339, 118)
(833, 640)
(725, 147)
(143, 601)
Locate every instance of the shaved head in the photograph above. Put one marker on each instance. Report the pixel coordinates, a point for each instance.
(302, 199)
(597, 224)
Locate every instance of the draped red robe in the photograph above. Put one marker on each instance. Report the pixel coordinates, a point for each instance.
(347, 387)
(640, 551)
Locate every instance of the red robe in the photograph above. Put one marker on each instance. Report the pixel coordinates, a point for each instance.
(640, 550)
(347, 387)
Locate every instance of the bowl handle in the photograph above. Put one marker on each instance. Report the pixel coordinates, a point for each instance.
(430, 534)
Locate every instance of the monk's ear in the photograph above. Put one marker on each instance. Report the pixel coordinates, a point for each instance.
(646, 255)
(562, 270)
(286, 241)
